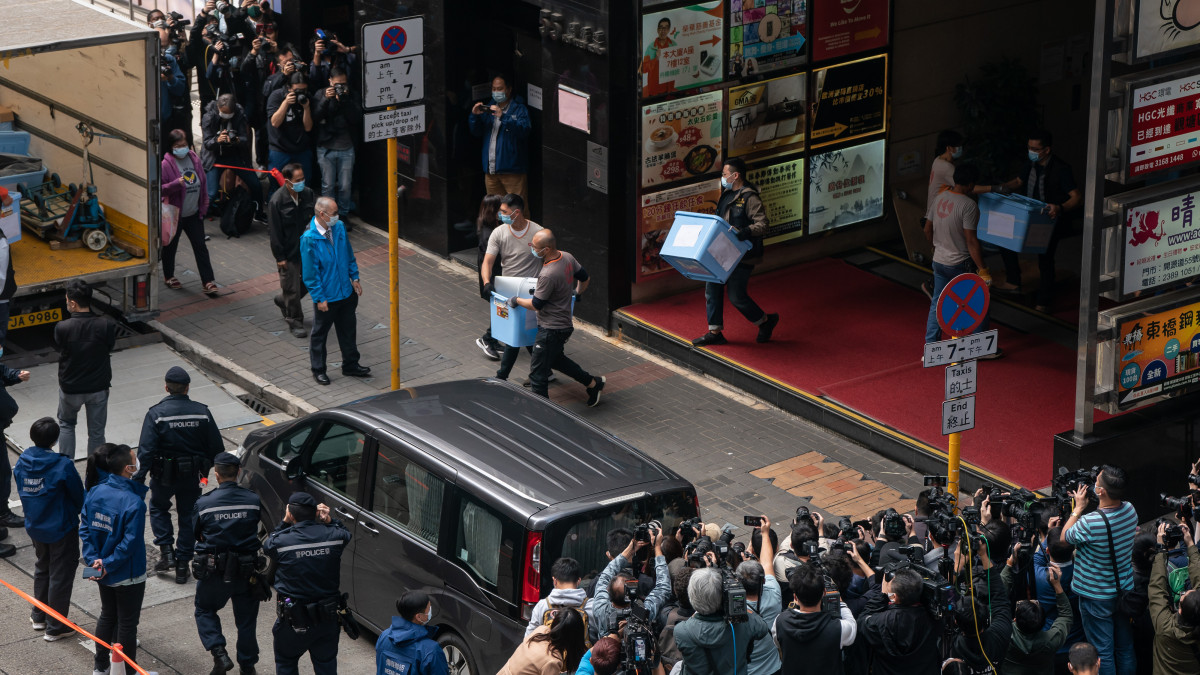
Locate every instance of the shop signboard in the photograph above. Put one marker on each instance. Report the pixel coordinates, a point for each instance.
(845, 27)
(682, 48)
(1160, 131)
(765, 35)
(768, 115)
(1159, 243)
(1162, 27)
(851, 101)
(845, 186)
(681, 139)
(781, 187)
(1156, 350)
(658, 212)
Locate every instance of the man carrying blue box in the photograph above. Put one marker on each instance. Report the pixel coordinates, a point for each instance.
(741, 207)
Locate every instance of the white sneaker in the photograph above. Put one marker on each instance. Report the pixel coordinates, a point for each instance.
(55, 637)
(37, 625)
(100, 672)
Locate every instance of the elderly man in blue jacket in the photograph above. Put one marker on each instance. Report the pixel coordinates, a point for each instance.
(410, 646)
(331, 276)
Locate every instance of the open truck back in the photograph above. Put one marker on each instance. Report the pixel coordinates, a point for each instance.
(63, 63)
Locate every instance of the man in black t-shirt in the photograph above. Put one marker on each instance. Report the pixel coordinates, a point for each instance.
(289, 124)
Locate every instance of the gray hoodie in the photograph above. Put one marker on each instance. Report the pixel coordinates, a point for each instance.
(559, 597)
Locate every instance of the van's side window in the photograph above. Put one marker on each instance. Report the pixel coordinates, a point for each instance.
(489, 547)
(290, 445)
(407, 495)
(337, 459)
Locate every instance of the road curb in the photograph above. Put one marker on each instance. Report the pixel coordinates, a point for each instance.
(208, 360)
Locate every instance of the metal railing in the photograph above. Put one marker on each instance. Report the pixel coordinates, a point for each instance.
(136, 10)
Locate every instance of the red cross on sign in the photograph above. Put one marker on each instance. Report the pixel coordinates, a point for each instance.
(963, 305)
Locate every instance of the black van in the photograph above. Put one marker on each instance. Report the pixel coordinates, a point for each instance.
(469, 490)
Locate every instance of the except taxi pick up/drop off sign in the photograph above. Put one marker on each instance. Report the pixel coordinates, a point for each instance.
(393, 73)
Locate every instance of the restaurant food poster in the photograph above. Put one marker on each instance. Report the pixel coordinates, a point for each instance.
(1165, 26)
(658, 213)
(681, 139)
(850, 101)
(1162, 243)
(1160, 354)
(768, 115)
(682, 48)
(766, 35)
(1164, 132)
(846, 186)
(781, 187)
(844, 27)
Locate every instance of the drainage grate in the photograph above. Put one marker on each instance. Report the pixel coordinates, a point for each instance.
(257, 405)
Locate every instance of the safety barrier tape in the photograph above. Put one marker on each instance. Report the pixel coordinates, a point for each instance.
(116, 649)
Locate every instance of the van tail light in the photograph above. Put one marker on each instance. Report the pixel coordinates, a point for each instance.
(696, 499)
(531, 581)
(139, 293)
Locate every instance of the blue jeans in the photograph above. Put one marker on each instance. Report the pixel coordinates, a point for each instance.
(738, 284)
(277, 160)
(248, 177)
(1111, 635)
(942, 275)
(337, 165)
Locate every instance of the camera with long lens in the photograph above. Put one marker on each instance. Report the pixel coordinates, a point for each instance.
(803, 513)
(846, 529)
(733, 593)
(893, 523)
(1183, 506)
(229, 129)
(937, 594)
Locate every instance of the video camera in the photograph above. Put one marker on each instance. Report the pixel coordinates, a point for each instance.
(1067, 482)
(733, 593)
(637, 636)
(937, 594)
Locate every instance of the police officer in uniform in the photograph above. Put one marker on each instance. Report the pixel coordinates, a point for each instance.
(307, 551)
(226, 566)
(178, 443)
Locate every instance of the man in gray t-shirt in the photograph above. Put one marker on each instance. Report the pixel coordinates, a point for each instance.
(560, 281)
(510, 243)
(956, 249)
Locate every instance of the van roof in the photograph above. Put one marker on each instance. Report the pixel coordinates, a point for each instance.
(511, 440)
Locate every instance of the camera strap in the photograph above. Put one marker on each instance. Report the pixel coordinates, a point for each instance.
(1112, 552)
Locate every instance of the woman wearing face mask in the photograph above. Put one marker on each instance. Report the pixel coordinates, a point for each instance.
(410, 640)
(113, 544)
(185, 187)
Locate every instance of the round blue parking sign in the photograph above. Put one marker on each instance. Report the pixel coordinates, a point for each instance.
(963, 305)
(393, 40)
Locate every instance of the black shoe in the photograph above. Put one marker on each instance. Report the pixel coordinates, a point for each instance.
(181, 576)
(321, 378)
(488, 350)
(767, 327)
(356, 371)
(3, 533)
(710, 338)
(594, 392)
(298, 330)
(221, 662)
(7, 550)
(166, 560)
(246, 670)
(10, 519)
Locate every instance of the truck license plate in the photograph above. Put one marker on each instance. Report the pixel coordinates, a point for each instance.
(34, 318)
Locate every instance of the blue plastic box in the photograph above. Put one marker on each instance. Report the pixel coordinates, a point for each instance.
(703, 247)
(1014, 222)
(514, 326)
(14, 142)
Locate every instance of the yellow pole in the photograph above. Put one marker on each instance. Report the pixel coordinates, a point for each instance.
(393, 262)
(952, 468)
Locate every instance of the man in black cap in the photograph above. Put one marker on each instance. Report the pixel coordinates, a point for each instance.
(226, 566)
(178, 443)
(307, 549)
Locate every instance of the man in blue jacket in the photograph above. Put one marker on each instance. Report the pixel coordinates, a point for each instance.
(331, 276)
(409, 646)
(503, 124)
(51, 496)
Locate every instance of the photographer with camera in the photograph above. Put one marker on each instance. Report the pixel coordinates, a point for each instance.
(172, 89)
(901, 633)
(1034, 645)
(804, 531)
(290, 123)
(810, 637)
(1103, 543)
(327, 54)
(226, 140)
(710, 641)
(984, 622)
(1176, 632)
(763, 596)
(338, 116)
(611, 600)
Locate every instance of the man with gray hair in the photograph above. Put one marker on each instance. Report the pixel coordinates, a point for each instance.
(708, 643)
(331, 276)
(764, 596)
(226, 140)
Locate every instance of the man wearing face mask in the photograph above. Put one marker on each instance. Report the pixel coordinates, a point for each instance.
(409, 646)
(510, 243)
(226, 133)
(504, 126)
(331, 276)
(289, 212)
(290, 123)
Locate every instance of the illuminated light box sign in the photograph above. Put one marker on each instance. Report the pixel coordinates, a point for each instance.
(1159, 27)
(658, 213)
(768, 115)
(845, 27)
(1159, 243)
(1155, 352)
(765, 35)
(851, 101)
(781, 187)
(681, 139)
(682, 48)
(1158, 130)
(845, 186)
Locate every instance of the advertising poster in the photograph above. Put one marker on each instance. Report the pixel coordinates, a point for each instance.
(768, 115)
(658, 212)
(682, 48)
(1166, 26)
(851, 101)
(844, 27)
(781, 187)
(681, 139)
(766, 35)
(1164, 133)
(1162, 243)
(846, 186)
(1160, 354)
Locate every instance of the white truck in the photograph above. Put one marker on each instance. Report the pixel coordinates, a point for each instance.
(63, 63)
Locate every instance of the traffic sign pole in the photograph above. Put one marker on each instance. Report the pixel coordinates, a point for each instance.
(394, 260)
(952, 467)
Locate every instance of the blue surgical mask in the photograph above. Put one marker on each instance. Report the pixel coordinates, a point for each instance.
(298, 186)
(1035, 156)
(956, 153)
(536, 253)
(179, 152)
(506, 219)
(725, 185)
(332, 221)
(498, 96)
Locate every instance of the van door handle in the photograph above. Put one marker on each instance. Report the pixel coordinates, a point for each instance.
(344, 512)
(367, 527)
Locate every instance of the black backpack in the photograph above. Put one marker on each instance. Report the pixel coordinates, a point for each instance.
(238, 213)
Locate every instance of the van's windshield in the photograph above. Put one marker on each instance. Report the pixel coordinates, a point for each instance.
(584, 536)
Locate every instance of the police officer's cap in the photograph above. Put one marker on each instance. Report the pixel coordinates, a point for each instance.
(302, 499)
(177, 375)
(227, 458)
